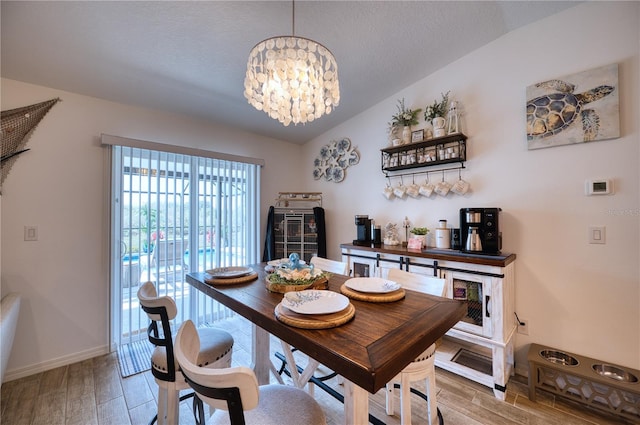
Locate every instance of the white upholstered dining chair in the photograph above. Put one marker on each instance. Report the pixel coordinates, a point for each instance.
(331, 266)
(423, 367)
(300, 380)
(215, 351)
(235, 395)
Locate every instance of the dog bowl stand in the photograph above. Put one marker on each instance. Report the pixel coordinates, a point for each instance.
(615, 389)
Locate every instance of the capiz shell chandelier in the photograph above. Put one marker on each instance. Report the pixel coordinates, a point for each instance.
(292, 79)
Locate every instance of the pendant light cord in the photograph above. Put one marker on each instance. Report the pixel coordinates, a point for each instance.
(293, 17)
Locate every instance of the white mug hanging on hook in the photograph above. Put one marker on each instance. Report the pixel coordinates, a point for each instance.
(388, 191)
(461, 187)
(400, 191)
(413, 190)
(426, 189)
(443, 187)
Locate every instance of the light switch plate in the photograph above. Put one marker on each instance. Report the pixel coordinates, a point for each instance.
(597, 235)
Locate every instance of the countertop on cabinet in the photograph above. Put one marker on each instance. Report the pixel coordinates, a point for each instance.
(500, 260)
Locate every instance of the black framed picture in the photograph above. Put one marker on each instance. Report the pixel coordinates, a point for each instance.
(417, 136)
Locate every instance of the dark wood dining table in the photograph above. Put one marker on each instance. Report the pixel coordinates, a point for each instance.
(368, 351)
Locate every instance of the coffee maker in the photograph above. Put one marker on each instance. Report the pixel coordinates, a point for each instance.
(363, 230)
(480, 230)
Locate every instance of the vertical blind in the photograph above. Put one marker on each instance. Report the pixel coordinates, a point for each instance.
(173, 213)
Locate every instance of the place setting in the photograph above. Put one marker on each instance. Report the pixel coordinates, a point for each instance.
(314, 309)
(230, 275)
(372, 289)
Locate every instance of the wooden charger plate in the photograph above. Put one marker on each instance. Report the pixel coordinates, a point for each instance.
(314, 321)
(373, 297)
(228, 281)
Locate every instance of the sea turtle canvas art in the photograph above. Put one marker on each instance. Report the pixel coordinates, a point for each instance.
(573, 109)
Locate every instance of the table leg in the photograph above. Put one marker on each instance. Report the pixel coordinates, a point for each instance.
(299, 380)
(260, 362)
(356, 404)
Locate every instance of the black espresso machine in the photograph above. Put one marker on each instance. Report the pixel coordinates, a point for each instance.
(480, 230)
(363, 228)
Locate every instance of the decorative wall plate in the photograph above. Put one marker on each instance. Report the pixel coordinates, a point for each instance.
(334, 159)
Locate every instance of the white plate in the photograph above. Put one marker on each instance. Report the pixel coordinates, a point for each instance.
(311, 301)
(373, 285)
(230, 272)
(276, 263)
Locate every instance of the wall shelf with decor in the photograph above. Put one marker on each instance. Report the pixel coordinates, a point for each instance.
(450, 149)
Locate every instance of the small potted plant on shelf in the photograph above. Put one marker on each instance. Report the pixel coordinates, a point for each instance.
(404, 118)
(419, 236)
(435, 114)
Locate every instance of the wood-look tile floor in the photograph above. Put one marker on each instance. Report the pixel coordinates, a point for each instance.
(93, 392)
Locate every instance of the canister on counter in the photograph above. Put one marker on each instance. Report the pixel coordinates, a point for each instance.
(377, 235)
(443, 235)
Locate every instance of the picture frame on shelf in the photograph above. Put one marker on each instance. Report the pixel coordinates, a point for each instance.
(417, 136)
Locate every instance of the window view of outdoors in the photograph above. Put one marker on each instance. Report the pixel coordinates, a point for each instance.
(166, 208)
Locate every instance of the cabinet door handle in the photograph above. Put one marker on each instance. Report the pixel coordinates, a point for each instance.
(406, 264)
(487, 305)
(377, 260)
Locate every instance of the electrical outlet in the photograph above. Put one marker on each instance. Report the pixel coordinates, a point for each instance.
(30, 233)
(523, 327)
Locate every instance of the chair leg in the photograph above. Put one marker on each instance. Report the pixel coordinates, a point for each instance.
(198, 410)
(432, 405)
(162, 406)
(405, 399)
(173, 409)
(389, 399)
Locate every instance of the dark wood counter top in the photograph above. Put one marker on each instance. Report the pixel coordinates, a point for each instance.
(500, 260)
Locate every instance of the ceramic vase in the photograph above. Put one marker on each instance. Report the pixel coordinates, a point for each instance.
(421, 238)
(438, 126)
(406, 135)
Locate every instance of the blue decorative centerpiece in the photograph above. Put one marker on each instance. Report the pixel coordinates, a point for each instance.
(295, 263)
(295, 275)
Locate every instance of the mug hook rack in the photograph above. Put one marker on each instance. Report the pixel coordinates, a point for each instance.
(427, 172)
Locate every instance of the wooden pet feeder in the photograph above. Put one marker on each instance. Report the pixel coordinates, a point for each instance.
(607, 387)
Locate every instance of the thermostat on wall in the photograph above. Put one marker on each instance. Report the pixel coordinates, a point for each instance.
(598, 187)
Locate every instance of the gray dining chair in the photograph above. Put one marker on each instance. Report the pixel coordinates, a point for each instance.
(235, 395)
(215, 351)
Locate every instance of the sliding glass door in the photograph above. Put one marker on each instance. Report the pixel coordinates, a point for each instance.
(173, 213)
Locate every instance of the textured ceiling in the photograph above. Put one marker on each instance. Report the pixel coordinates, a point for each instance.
(189, 57)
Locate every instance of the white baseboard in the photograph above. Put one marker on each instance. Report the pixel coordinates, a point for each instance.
(21, 372)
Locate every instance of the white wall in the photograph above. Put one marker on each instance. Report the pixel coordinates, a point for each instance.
(577, 297)
(60, 185)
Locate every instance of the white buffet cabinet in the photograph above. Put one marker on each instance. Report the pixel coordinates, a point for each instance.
(480, 346)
